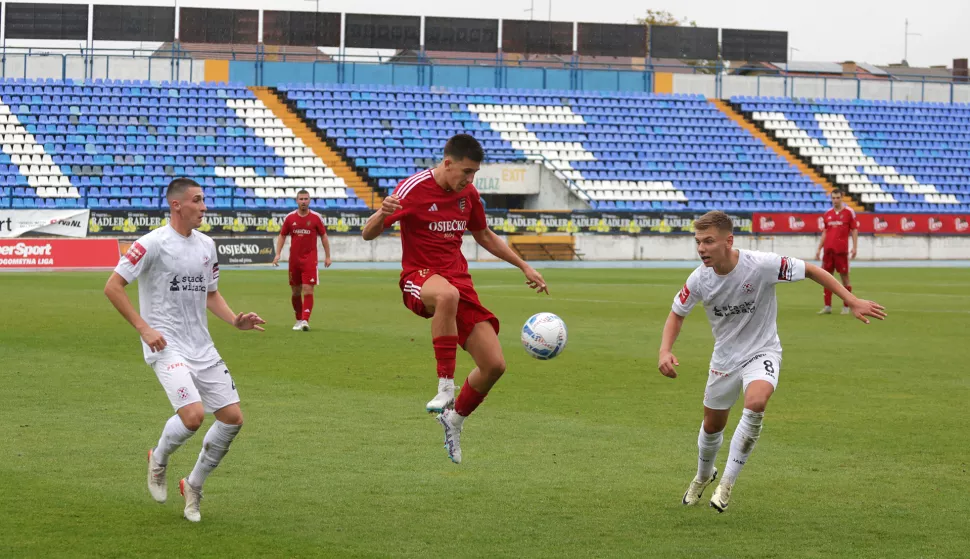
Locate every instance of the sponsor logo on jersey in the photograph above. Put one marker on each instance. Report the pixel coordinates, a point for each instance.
(747, 288)
(748, 307)
(684, 294)
(302, 231)
(433, 208)
(188, 283)
(135, 253)
(785, 270)
(452, 226)
(182, 392)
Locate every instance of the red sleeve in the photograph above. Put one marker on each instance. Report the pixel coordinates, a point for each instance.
(477, 222)
(321, 228)
(287, 226)
(854, 222)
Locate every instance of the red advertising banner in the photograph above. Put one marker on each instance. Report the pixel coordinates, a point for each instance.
(879, 224)
(58, 253)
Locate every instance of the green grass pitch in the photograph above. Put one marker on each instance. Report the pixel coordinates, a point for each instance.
(864, 451)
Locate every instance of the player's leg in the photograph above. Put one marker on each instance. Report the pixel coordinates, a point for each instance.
(760, 377)
(844, 275)
(828, 264)
(307, 304)
(218, 392)
(483, 346)
(440, 299)
(174, 376)
(296, 295)
(721, 393)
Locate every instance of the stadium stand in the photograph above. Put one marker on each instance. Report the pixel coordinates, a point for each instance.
(895, 156)
(114, 144)
(627, 151)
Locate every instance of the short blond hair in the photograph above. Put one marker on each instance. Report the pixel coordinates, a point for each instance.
(716, 219)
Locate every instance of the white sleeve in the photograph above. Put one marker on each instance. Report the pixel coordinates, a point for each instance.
(214, 273)
(782, 269)
(687, 297)
(139, 258)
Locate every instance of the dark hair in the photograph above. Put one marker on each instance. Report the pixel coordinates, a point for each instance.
(716, 219)
(837, 191)
(463, 146)
(303, 191)
(177, 188)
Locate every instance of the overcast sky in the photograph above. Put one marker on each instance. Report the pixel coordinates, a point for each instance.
(822, 30)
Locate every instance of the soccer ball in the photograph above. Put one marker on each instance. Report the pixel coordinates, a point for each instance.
(544, 335)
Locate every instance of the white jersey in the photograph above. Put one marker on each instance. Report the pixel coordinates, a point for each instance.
(175, 274)
(741, 305)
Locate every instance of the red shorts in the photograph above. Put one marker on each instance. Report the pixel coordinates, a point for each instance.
(470, 309)
(837, 261)
(304, 273)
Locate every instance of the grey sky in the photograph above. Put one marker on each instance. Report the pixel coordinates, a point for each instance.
(822, 30)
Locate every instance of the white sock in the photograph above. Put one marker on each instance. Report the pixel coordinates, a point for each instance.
(214, 448)
(707, 446)
(173, 436)
(742, 443)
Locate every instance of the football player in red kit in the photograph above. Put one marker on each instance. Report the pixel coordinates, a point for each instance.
(833, 247)
(303, 226)
(435, 207)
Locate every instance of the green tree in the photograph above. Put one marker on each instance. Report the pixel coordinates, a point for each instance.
(663, 17)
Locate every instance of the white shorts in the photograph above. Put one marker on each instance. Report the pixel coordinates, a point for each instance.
(186, 384)
(724, 387)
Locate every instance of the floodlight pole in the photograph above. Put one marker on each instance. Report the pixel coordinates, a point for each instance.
(906, 35)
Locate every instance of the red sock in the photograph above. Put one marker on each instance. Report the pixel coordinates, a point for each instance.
(828, 298)
(849, 289)
(297, 306)
(468, 400)
(307, 306)
(445, 348)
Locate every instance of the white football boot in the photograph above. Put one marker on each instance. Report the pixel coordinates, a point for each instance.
(304, 325)
(445, 398)
(825, 310)
(721, 497)
(298, 326)
(845, 310)
(156, 479)
(192, 499)
(452, 422)
(696, 489)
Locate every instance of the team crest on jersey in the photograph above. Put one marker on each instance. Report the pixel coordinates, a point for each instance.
(461, 205)
(183, 393)
(424, 273)
(747, 288)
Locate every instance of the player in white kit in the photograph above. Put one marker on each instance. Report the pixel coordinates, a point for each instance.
(737, 289)
(178, 279)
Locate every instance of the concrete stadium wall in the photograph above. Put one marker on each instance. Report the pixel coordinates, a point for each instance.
(352, 248)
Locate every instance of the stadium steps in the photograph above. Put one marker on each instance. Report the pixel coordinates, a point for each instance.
(319, 147)
(818, 179)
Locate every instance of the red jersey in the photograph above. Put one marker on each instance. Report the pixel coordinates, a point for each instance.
(837, 229)
(303, 231)
(433, 221)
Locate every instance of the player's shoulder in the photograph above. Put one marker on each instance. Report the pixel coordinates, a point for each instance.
(155, 236)
(203, 238)
(317, 215)
(414, 184)
(291, 216)
(850, 211)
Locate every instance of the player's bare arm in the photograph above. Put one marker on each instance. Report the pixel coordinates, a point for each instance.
(279, 249)
(114, 290)
(499, 248)
(860, 308)
(821, 243)
(855, 243)
(375, 224)
(325, 240)
(244, 321)
(668, 360)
